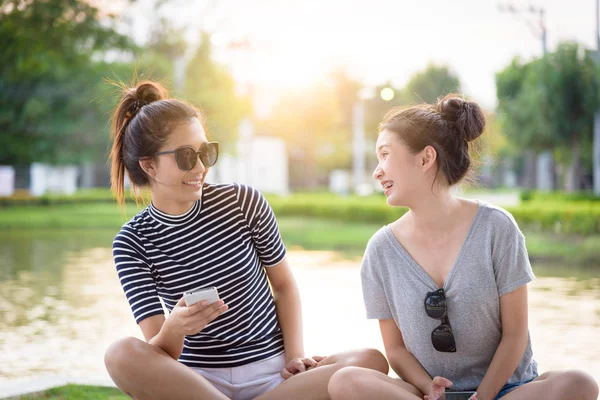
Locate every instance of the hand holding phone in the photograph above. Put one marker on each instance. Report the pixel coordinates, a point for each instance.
(209, 294)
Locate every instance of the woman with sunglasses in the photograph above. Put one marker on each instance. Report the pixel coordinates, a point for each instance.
(194, 235)
(448, 280)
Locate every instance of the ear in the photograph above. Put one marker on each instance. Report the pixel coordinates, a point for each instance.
(148, 166)
(428, 157)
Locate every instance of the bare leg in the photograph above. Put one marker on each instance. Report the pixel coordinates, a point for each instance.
(354, 383)
(313, 384)
(557, 385)
(145, 372)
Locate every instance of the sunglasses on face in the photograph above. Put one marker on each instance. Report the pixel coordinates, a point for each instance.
(187, 156)
(442, 337)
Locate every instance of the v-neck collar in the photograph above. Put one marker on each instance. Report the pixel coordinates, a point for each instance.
(418, 269)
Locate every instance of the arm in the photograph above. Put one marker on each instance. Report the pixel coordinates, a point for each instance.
(513, 309)
(168, 334)
(401, 360)
(289, 309)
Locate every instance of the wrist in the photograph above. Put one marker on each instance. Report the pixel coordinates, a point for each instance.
(171, 329)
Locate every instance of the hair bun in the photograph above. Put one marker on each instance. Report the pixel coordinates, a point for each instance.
(466, 116)
(147, 92)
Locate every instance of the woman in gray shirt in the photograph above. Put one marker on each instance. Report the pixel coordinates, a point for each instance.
(448, 280)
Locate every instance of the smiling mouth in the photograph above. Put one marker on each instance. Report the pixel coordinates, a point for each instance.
(387, 184)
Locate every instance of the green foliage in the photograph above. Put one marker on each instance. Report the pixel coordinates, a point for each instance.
(549, 104)
(212, 88)
(435, 81)
(80, 392)
(554, 213)
(47, 63)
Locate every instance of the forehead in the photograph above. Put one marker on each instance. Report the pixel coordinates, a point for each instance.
(187, 134)
(385, 138)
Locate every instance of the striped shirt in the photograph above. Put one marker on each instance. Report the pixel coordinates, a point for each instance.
(226, 240)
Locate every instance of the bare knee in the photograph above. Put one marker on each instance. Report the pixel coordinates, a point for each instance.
(578, 384)
(120, 355)
(349, 383)
(368, 358)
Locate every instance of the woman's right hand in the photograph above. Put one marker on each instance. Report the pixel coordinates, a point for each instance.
(184, 320)
(438, 388)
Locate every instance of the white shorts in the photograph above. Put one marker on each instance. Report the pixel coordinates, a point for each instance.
(248, 381)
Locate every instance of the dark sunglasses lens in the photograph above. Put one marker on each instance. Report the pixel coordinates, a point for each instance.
(209, 154)
(443, 339)
(186, 158)
(435, 305)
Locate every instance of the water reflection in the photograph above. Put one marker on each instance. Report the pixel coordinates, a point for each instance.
(61, 306)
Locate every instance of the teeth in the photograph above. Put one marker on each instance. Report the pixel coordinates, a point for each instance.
(388, 185)
(192, 183)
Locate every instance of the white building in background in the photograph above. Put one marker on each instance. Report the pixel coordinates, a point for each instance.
(7, 181)
(53, 179)
(261, 162)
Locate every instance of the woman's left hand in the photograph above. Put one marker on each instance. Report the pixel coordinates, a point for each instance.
(298, 365)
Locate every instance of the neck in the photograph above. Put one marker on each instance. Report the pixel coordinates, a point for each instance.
(435, 212)
(171, 207)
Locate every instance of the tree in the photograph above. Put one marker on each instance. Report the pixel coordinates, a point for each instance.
(522, 112)
(428, 85)
(573, 82)
(212, 88)
(549, 103)
(47, 75)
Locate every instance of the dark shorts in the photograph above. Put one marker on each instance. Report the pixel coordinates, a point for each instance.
(509, 387)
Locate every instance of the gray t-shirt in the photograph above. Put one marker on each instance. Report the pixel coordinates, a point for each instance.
(492, 262)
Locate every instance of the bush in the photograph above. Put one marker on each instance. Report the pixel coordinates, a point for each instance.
(548, 212)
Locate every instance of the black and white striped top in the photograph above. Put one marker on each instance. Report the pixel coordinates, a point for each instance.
(225, 240)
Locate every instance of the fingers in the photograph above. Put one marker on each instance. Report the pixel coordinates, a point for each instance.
(181, 302)
(318, 358)
(285, 374)
(296, 365)
(215, 310)
(204, 307)
(441, 381)
(309, 362)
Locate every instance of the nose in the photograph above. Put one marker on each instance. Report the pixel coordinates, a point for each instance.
(378, 173)
(199, 167)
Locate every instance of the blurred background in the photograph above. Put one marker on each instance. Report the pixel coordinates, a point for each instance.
(293, 91)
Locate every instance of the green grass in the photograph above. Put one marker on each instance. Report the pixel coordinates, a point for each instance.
(321, 234)
(78, 392)
(101, 215)
(309, 232)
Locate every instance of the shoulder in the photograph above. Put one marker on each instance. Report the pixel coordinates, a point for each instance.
(498, 219)
(129, 235)
(379, 242)
(213, 190)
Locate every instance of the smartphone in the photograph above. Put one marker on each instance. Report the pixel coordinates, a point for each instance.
(209, 294)
(457, 395)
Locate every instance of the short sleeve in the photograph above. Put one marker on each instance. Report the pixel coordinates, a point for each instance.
(135, 276)
(376, 303)
(512, 268)
(263, 226)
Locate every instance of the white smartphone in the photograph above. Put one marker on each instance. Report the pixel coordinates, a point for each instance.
(209, 294)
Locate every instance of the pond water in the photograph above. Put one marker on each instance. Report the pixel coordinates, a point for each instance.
(61, 305)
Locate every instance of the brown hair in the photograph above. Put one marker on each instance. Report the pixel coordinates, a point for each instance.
(141, 123)
(448, 126)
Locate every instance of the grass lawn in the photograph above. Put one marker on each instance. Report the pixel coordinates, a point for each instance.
(310, 233)
(78, 392)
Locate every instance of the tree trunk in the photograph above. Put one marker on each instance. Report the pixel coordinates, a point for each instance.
(529, 170)
(573, 181)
